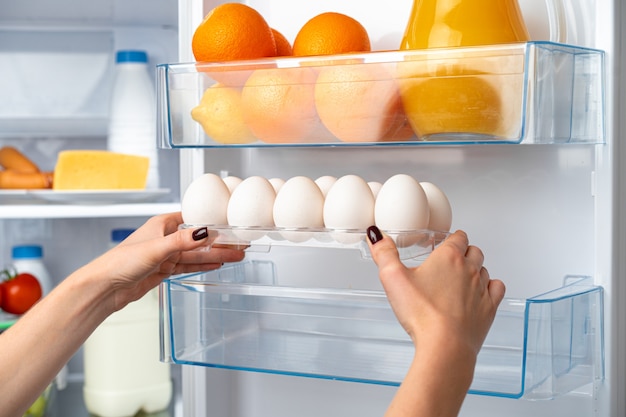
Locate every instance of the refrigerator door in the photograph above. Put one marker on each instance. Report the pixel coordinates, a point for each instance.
(540, 212)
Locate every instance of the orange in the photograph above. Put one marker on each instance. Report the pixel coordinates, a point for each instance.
(233, 31)
(283, 47)
(331, 33)
(278, 105)
(360, 103)
(219, 114)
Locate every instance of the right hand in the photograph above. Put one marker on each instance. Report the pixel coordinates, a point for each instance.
(448, 298)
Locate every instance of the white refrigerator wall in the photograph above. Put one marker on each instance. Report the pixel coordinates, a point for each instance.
(538, 212)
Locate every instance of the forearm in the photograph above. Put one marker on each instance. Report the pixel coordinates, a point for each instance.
(435, 385)
(37, 346)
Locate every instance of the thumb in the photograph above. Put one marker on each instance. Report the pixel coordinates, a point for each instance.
(383, 249)
(189, 239)
(183, 240)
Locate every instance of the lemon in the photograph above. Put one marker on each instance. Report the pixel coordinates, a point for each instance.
(38, 408)
(219, 114)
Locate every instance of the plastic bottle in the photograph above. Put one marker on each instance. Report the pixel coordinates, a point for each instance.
(29, 258)
(132, 122)
(123, 374)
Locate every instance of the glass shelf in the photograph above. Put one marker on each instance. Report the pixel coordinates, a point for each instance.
(74, 211)
(239, 318)
(534, 92)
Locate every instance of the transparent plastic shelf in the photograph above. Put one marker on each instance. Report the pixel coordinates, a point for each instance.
(411, 244)
(239, 318)
(533, 92)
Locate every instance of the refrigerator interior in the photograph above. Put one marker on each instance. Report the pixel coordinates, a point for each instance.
(539, 212)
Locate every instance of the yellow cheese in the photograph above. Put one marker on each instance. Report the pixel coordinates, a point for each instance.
(100, 170)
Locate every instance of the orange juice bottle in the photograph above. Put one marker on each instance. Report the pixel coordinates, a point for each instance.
(449, 23)
(458, 97)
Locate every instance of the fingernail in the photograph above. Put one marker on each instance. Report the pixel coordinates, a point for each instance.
(200, 234)
(373, 234)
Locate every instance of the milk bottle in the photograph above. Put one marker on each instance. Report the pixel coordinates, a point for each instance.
(123, 374)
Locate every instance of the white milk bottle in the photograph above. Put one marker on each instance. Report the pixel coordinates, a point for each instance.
(29, 259)
(132, 119)
(123, 373)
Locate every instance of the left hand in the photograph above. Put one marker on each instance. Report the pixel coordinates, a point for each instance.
(155, 251)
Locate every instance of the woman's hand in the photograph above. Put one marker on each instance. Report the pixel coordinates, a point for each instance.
(54, 328)
(451, 292)
(447, 306)
(155, 251)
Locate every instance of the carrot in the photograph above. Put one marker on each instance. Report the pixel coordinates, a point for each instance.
(11, 179)
(13, 159)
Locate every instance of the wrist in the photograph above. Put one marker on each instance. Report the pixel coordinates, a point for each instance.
(96, 293)
(447, 350)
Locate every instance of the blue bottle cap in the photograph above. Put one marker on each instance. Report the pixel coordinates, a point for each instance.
(27, 252)
(131, 56)
(117, 235)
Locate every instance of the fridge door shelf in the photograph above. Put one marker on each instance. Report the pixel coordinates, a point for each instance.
(240, 318)
(530, 92)
(411, 244)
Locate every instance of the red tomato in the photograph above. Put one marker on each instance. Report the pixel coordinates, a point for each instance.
(20, 293)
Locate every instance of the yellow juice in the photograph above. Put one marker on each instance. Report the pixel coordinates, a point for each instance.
(446, 23)
(461, 98)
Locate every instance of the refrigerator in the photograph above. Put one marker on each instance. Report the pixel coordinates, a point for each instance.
(546, 208)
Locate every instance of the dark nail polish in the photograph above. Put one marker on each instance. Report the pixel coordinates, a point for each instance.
(200, 234)
(374, 234)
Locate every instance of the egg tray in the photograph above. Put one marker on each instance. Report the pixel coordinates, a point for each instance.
(411, 244)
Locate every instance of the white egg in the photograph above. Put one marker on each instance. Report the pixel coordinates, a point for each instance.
(277, 183)
(251, 205)
(205, 201)
(299, 204)
(375, 187)
(440, 209)
(349, 205)
(325, 182)
(232, 182)
(401, 205)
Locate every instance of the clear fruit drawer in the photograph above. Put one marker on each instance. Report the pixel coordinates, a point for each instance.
(240, 318)
(533, 92)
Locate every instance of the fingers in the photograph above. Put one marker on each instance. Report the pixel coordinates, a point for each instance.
(496, 289)
(200, 238)
(475, 255)
(216, 255)
(459, 240)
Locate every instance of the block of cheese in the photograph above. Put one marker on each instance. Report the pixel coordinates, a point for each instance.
(99, 170)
